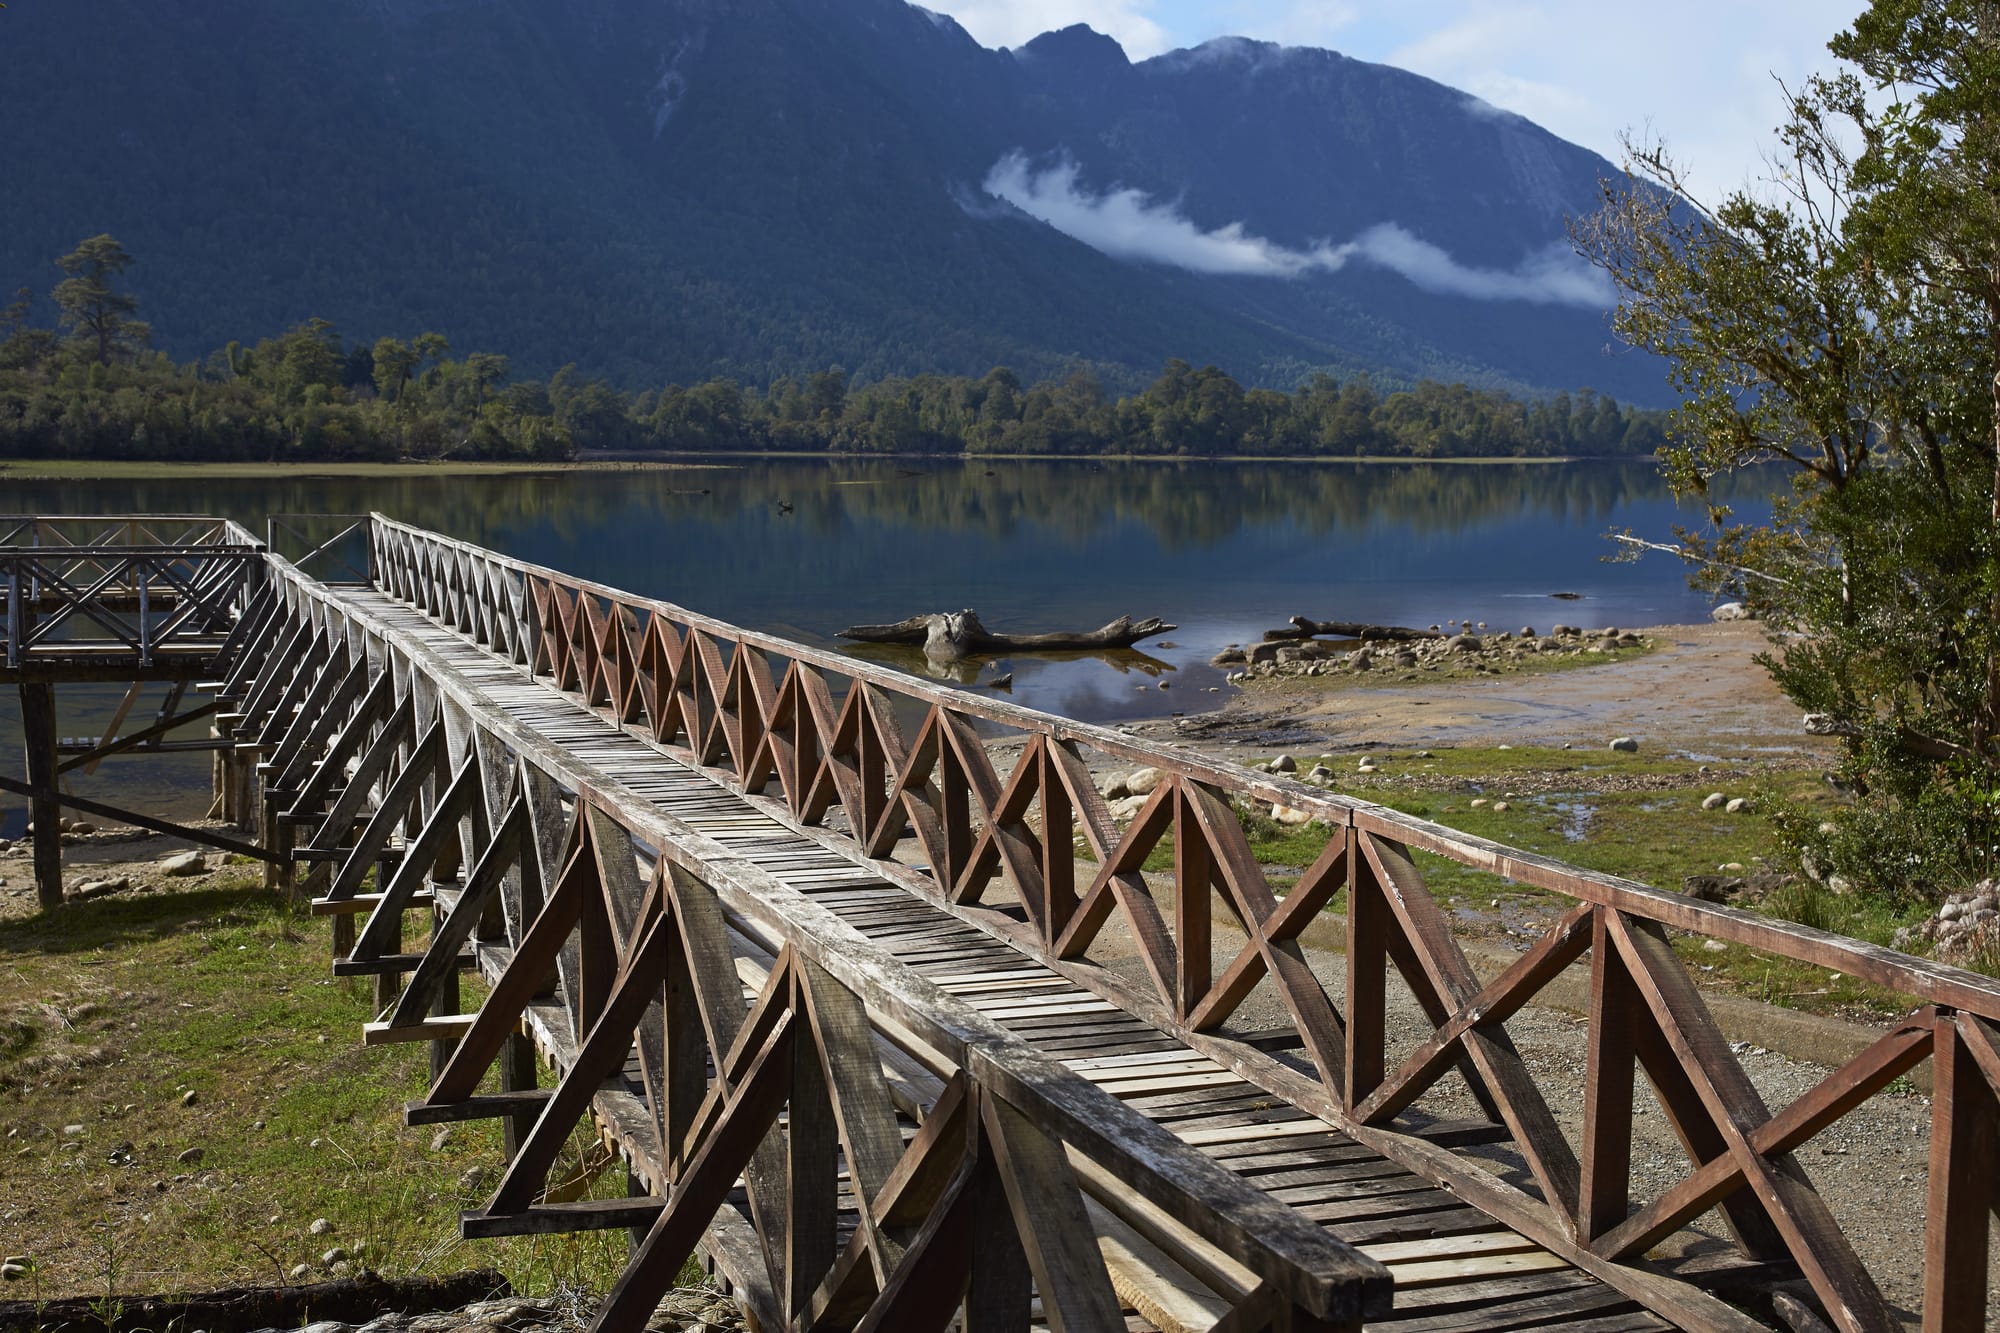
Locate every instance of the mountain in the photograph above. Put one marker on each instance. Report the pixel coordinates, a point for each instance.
(678, 189)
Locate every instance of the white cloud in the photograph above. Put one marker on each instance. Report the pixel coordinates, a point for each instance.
(1128, 224)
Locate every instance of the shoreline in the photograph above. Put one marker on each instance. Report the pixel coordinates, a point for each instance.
(75, 469)
(1698, 689)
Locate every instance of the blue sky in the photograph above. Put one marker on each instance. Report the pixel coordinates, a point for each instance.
(1697, 73)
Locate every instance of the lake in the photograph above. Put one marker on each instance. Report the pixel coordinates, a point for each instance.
(805, 547)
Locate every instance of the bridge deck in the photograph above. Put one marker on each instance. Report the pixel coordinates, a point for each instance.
(1455, 1267)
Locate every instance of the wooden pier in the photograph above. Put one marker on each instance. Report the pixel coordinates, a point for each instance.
(892, 1023)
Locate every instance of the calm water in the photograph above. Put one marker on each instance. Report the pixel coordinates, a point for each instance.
(1225, 551)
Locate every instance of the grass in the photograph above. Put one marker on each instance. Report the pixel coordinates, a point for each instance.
(1635, 815)
(113, 1012)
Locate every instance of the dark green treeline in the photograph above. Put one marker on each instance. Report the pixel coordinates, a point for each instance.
(92, 388)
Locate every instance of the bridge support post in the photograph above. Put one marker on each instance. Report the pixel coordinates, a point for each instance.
(517, 1074)
(38, 729)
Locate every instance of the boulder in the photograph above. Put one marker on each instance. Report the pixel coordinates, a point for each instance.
(1731, 611)
(1263, 652)
(1284, 764)
(186, 863)
(1112, 786)
(1625, 745)
(1715, 800)
(1462, 643)
(1230, 656)
(1736, 805)
(1406, 658)
(1143, 781)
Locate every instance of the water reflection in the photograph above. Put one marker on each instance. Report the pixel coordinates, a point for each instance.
(804, 547)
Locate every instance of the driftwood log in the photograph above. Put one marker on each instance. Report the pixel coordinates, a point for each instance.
(949, 634)
(1301, 628)
(237, 1309)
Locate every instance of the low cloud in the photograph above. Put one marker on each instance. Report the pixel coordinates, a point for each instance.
(1129, 224)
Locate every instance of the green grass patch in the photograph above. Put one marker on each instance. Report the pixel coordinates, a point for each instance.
(136, 1030)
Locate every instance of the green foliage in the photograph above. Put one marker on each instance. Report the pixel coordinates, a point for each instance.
(95, 312)
(305, 395)
(1849, 326)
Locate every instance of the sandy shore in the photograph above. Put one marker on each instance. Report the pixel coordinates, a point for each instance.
(1699, 690)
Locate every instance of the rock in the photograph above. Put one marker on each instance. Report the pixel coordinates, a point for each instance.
(1284, 764)
(1715, 800)
(301, 1273)
(186, 863)
(440, 1139)
(1127, 808)
(97, 888)
(1363, 660)
(189, 1157)
(1478, 801)
(1462, 643)
(1711, 888)
(1291, 654)
(72, 1131)
(325, 1326)
(1166, 685)
(1405, 658)
(1736, 805)
(1230, 656)
(320, 1227)
(1289, 814)
(1528, 631)
(1367, 766)
(1626, 745)
(189, 1098)
(81, 827)
(435, 1323)
(1320, 773)
(1143, 781)
(333, 1256)
(1502, 805)
(1731, 611)
(1714, 946)
(1838, 884)
(472, 1178)
(1263, 652)
(1112, 787)
(12, 1272)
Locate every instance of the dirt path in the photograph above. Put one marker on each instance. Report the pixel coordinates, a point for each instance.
(1699, 690)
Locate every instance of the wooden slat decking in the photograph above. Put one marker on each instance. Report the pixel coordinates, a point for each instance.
(1455, 1267)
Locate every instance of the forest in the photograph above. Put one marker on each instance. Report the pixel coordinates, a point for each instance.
(93, 387)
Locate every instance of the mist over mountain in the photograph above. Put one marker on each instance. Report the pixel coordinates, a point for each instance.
(679, 189)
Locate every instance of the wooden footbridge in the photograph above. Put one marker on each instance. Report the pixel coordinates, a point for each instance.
(898, 1028)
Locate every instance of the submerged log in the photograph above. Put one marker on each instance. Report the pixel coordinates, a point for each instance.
(949, 634)
(1302, 628)
(233, 1309)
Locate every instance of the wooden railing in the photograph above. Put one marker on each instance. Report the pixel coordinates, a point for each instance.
(118, 594)
(602, 923)
(867, 754)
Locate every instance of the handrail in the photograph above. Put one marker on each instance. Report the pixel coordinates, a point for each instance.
(751, 709)
(1891, 968)
(1293, 1256)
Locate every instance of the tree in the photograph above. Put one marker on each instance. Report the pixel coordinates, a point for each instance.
(1848, 327)
(92, 309)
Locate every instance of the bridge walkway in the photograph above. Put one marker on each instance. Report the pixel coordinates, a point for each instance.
(1456, 1269)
